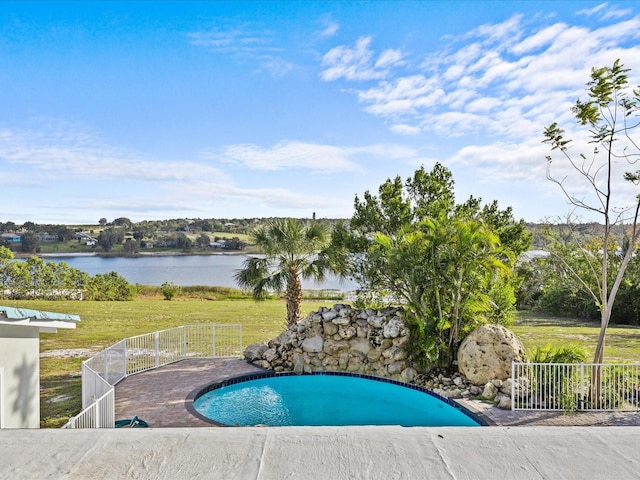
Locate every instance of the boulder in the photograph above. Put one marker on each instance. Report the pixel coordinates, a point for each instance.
(313, 344)
(490, 391)
(504, 401)
(393, 328)
(487, 352)
(255, 351)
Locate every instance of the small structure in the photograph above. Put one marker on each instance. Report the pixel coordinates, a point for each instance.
(20, 362)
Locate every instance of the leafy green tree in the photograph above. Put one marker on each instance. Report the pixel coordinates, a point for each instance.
(6, 257)
(110, 237)
(234, 244)
(131, 246)
(63, 232)
(292, 250)
(611, 114)
(183, 242)
(443, 260)
(203, 241)
(102, 221)
(110, 286)
(20, 280)
(29, 242)
(121, 222)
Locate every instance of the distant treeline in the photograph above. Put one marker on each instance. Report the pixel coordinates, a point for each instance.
(36, 278)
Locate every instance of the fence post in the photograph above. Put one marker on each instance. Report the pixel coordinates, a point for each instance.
(513, 381)
(582, 386)
(184, 341)
(213, 340)
(106, 364)
(126, 360)
(157, 341)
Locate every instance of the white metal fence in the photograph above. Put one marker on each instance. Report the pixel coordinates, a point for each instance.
(144, 352)
(575, 386)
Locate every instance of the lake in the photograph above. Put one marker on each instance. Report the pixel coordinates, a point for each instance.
(184, 270)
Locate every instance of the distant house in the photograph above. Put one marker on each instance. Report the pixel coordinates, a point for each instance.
(87, 239)
(11, 237)
(20, 362)
(47, 237)
(218, 244)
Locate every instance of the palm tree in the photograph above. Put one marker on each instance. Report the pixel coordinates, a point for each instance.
(292, 250)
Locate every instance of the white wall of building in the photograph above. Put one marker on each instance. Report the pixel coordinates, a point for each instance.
(20, 376)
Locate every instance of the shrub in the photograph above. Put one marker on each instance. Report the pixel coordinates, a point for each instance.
(168, 290)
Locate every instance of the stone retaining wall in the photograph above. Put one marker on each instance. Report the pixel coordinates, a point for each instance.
(372, 342)
(340, 338)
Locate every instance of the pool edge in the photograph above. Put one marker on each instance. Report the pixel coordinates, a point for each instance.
(482, 420)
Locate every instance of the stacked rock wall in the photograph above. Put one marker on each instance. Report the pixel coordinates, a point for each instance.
(340, 338)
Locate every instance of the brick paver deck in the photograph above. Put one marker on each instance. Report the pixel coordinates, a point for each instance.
(160, 397)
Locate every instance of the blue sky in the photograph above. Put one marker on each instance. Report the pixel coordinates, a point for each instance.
(157, 110)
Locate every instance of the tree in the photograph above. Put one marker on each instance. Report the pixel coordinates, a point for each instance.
(121, 222)
(611, 115)
(131, 246)
(443, 260)
(102, 221)
(109, 286)
(110, 237)
(6, 257)
(203, 241)
(30, 243)
(183, 242)
(292, 250)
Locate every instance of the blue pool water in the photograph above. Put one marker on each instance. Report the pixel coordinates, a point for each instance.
(329, 400)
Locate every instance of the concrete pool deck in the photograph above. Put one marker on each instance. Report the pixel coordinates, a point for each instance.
(538, 451)
(331, 453)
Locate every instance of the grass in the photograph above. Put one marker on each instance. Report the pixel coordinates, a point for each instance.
(622, 344)
(105, 323)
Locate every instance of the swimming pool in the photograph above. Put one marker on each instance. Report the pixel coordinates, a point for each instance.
(326, 399)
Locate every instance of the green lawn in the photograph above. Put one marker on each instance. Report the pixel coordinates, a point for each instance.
(105, 323)
(622, 343)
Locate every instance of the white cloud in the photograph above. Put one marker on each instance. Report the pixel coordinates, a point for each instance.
(605, 12)
(63, 150)
(296, 155)
(404, 129)
(487, 80)
(330, 28)
(246, 43)
(358, 63)
(236, 41)
(289, 155)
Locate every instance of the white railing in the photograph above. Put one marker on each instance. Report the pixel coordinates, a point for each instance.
(575, 386)
(144, 352)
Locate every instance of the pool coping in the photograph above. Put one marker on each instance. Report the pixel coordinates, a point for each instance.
(482, 420)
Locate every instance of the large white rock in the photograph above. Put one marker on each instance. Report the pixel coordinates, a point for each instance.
(487, 352)
(255, 351)
(313, 344)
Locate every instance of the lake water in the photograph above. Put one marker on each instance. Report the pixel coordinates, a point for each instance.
(184, 270)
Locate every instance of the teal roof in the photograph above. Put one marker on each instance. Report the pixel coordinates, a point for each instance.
(12, 313)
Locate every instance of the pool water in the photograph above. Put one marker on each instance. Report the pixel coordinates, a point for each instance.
(329, 400)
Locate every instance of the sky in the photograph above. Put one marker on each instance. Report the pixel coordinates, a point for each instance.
(211, 109)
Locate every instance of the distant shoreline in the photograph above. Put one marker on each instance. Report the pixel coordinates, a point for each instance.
(122, 255)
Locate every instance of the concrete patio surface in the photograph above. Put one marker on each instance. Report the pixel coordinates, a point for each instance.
(331, 453)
